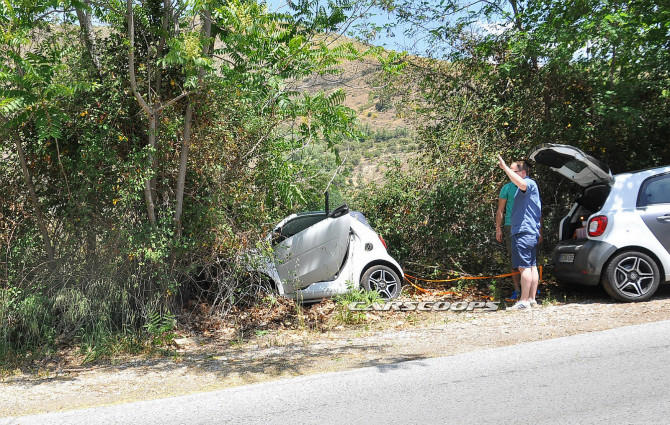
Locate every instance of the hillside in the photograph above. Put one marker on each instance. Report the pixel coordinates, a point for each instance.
(387, 136)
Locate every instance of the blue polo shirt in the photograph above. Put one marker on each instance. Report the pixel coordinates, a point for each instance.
(527, 209)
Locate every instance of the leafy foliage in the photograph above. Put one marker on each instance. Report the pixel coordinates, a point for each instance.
(513, 75)
(100, 146)
(160, 328)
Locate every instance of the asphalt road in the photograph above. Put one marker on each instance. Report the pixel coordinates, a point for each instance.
(617, 376)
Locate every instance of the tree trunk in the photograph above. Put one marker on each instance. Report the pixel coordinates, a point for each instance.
(150, 183)
(153, 161)
(33, 197)
(88, 35)
(148, 196)
(188, 120)
(167, 10)
(183, 159)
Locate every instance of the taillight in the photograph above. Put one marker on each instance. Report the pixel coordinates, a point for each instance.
(597, 225)
(383, 242)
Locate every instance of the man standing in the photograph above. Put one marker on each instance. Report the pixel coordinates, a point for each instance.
(525, 230)
(505, 203)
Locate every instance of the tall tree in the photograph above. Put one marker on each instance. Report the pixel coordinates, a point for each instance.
(30, 90)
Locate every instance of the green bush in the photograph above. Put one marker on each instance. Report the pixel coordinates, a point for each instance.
(347, 317)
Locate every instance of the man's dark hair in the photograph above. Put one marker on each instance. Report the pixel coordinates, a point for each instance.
(523, 165)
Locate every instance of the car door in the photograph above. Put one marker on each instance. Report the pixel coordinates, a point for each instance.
(314, 254)
(653, 204)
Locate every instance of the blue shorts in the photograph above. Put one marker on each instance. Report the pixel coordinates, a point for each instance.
(524, 250)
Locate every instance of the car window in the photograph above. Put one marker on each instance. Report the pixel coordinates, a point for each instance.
(655, 190)
(594, 197)
(299, 224)
(360, 217)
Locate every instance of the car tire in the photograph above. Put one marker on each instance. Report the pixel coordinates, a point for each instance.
(382, 279)
(631, 276)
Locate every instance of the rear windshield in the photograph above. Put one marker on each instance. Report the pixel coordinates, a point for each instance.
(360, 217)
(594, 197)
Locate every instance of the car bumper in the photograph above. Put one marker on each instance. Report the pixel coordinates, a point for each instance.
(581, 261)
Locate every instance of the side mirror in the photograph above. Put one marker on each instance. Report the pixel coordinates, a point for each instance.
(340, 211)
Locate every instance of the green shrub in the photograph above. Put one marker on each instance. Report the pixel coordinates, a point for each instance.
(347, 317)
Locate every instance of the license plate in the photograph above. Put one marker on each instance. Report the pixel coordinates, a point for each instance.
(566, 258)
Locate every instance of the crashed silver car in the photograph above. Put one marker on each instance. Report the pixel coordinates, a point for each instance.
(319, 254)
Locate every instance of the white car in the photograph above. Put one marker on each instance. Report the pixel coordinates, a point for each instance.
(317, 255)
(618, 231)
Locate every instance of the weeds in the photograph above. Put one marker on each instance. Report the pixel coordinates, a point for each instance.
(160, 328)
(101, 346)
(412, 319)
(347, 317)
(496, 289)
(550, 298)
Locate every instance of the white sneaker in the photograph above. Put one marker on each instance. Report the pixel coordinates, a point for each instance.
(533, 303)
(521, 305)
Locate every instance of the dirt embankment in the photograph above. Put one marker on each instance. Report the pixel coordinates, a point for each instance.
(385, 337)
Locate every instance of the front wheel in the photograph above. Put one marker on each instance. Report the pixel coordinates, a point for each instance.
(382, 279)
(631, 276)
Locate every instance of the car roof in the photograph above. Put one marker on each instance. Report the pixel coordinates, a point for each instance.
(627, 185)
(650, 170)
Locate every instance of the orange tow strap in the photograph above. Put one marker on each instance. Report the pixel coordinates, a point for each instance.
(460, 278)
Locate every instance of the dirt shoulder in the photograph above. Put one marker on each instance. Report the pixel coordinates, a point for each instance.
(385, 337)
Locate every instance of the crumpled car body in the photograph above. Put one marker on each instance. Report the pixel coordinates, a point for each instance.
(317, 255)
